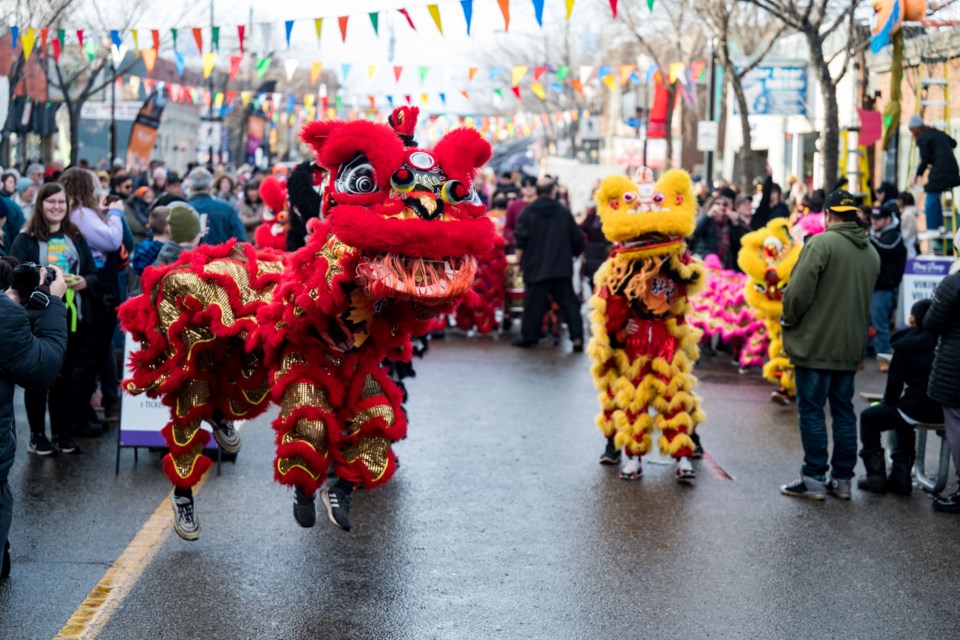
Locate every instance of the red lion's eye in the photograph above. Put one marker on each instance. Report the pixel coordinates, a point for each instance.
(679, 199)
(658, 198)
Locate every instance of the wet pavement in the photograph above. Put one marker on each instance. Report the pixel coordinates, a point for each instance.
(498, 524)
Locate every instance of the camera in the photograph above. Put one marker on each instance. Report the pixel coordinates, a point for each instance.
(26, 279)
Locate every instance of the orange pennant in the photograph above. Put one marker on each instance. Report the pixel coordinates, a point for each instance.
(626, 70)
(149, 59)
(577, 86)
(471, 73)
(505, 10)
(198, 36)
(343, 26)
(315, 69)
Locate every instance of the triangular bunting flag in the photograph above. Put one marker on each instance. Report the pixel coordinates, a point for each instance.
(318, 25)
(390, 101)
(577, 86)
(443, 98)
(406, 14)
(562, 73)
(209, 61)
(371, 71)
(149, 59)
(471, 73)
(499, 92)
(45, 33)
(435, 14)
(538, 90)
(424, 98)
(467, 12)
(373, 102)
(466, 96)
(198, 38)
(133, 34)
(539, 71)
(29, 38)
(516, 91)
(288, 28)
(626, 70)
(697, 67)
(173, 34)
(180, 62)
(375, 21)
(215, 39)
(343, 26)
(90, 50)
(290, 66)
(345, 71)
(397, 70)
(538, 11)
(610, 81)
(58, 45)
(235, 66)
(613, 6)
(494, 72)
(650, 5)
(263, 64)
(114, 37)
(245, 98)
(266, 35)
(79, 37)
(155, 34)
(518, 73)
(423, 73)
(407, 98)
(15, 35)
(570, 8)
(505, 10)
(676, 71)
(316, 68)
(585, 73)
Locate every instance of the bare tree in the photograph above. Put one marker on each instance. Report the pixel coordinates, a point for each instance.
(754, 35)
(817, 20)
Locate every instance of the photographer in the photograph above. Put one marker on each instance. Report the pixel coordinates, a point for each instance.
(34, 342)
(718, 231)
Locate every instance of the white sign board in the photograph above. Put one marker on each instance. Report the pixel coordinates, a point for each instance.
(590, 128)
(920, 279)
(708, 135)
(125, 110)
(211, 134)
(141, 417)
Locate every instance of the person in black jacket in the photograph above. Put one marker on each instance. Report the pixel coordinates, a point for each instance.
(905, 403)
(597, 246)
(31, 352)
(886, 239)
(718, 230)
(548, 239)
(943, 320)
(936, 154)
(51, 239)
(771, 204)
(304, 201)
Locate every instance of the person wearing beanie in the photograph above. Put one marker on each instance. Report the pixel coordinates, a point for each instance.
(223, 221)
(717, 231)
(936, 154)
(183, 228)
(26, 194)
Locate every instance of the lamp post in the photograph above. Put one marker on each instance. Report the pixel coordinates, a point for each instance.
(711, 109)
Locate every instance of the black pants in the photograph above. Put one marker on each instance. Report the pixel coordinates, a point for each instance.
(536, 298)
(883, 417)
(68, 399)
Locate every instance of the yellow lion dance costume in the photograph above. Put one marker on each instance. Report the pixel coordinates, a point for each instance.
(767, 256)
(642, 347)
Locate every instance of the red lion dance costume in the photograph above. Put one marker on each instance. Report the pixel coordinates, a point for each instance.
(642, 346)
(227, 329)
(481, 313)
(275, 219)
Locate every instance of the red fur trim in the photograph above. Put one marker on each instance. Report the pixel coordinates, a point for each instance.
(403, 120)
(357, 472)
(203, 463)
(265, 238)
(177, 449)
(297, 477)
(336, 143)
(461, 153)
(274, 194)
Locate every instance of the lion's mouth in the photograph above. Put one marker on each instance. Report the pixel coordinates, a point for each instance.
(647, 241)
(396, 276)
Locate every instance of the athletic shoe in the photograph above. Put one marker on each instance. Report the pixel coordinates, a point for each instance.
(839, 488)
(631, 469)
(304, 508)
(184, 518)
(40, 445)
(578, 346)
(684, 470)
(947, 504)
(337, 503)
(780, 397)
(805, 487)
(697, 448)
(611, 455)
(5, 563)
(226, 436)
(65, 444)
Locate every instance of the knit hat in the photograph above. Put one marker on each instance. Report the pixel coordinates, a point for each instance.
(916, 121)
(184, 223)
(23, 184)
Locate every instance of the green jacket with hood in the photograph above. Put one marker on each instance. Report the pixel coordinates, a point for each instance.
(826, 306)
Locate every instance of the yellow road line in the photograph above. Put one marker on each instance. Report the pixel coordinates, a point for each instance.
(100, 604)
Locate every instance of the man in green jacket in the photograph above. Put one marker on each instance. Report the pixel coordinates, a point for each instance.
(826, 312)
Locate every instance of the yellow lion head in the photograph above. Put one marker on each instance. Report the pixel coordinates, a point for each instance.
(647, 219)
(767, 256)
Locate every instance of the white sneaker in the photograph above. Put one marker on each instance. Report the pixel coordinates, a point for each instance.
(684, 470)
(631, 469)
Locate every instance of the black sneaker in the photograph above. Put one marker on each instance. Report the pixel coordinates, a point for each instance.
(337, 503)
(5, 563)
(805, 487)
(611, 455)
(304, 508)
(65, 444)
(947, 504)
(226, 436)
(578, 346)
(40, 445)
(185, 521)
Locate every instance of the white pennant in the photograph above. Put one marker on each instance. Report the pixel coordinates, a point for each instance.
(118, 53)
(266, 35)
(585, 73)
(290, 66)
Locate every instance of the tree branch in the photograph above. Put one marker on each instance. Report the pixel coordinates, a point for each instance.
(763, 54)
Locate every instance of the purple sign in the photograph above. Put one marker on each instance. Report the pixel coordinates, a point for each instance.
(931, 267)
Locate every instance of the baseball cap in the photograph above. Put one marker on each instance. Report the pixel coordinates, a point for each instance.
(839, 201)
(888, 209)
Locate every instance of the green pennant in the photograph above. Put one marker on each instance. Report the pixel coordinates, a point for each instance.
(173, 32)
(562, 73)
(338, 101)
(215, 38)
(499, 92)
(375, 21)
(90, 50)
(650, 4)
(262, 65)
(423, 73)
(61, 34)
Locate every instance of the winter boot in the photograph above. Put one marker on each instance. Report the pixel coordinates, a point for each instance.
(900, 481)
(876, 479)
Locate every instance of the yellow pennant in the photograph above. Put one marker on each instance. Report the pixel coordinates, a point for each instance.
(371, 71)
(318, 24)
(309, 100)
(218, 100)
(518, 73)
(570, 7)
(610, 81)
(209, 61)
(245, 98)
(424, 98)
(136, 42)
(435, 14)
(316, 69)
(538, 90)
(29, 38)
(676, 71)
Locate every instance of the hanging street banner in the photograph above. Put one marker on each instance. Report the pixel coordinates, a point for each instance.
(144, 132)
(776, 91)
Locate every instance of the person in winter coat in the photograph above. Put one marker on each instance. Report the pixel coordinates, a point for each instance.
(826, 310)
(937, 155)
(51, 239)
(943, 320)
(718, 230)
(908, 223)
(31, 353)
(771, 204)
(223, 222)
(885, 238)
(905, 403)
(548, 239)
(597, 246)
(184, 232)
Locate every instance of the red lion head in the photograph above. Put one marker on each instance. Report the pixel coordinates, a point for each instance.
(413, 213)
(274, 221)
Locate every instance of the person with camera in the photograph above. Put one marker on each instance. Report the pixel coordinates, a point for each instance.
(33, 323)
(719, 231)
(50, 238)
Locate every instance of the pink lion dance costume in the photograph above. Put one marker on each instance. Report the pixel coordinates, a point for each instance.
(227, 329)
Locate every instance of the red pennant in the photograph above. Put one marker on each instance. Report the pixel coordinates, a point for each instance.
(231, 96)
(235, 66)
(343, 26)
(466, 96)
(56, 49)
(406, 14)
(396, 73)
(240, 30)
(373, 102)
(198, 36)
(156, 39)
(516, 91)
(80, 37)
(44, 33)
(407, 98)
(539, 71)
(613, 5)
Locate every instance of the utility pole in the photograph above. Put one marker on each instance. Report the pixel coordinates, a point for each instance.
(113, 112)
(711, 110)
(210, 115)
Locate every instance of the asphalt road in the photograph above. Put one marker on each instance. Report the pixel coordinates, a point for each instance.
(498, 524)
